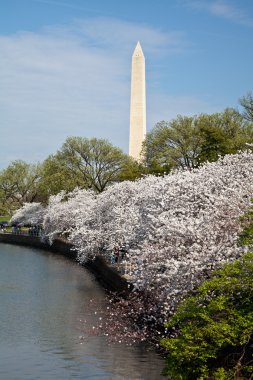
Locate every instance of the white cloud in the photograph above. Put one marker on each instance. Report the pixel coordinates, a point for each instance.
(73, 81)
(224, 9)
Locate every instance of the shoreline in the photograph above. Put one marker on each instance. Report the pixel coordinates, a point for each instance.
(106, 275)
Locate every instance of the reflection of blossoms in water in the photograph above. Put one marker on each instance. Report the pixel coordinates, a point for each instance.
(175, 229)
(92, 323)
(131, 319)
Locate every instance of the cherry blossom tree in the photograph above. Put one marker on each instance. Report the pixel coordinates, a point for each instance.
(29, 213)
(176, 229)
(63, 210)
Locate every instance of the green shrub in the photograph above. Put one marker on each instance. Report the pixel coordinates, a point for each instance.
(211, 334)
(4, 218)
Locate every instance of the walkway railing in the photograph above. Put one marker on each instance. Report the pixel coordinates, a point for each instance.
(21, 232)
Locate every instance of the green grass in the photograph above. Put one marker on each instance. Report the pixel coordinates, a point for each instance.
(4, 218)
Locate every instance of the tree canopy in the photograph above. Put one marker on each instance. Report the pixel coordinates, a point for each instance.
(187, 142)
(86, 163)
(19, 183)
(172, 144)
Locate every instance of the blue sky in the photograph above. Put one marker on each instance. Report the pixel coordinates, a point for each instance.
(65, 66)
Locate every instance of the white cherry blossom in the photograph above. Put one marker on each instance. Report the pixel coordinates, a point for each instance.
(176, 228)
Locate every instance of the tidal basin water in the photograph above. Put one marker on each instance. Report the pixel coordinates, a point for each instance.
(47, 309)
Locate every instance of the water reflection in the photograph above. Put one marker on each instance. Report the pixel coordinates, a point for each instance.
(45, 300)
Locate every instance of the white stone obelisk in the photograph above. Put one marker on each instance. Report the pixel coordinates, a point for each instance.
(137, 103)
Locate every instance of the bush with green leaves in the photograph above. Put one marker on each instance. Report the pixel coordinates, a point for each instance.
(211, 334)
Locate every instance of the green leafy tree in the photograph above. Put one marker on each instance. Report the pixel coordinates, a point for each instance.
(222, 133)
(131, 170)
(189, 141)
(19, 183)
(86, 163)
(172, 144)
(56, 176)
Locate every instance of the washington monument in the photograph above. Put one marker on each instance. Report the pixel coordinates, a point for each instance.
(137, 103)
